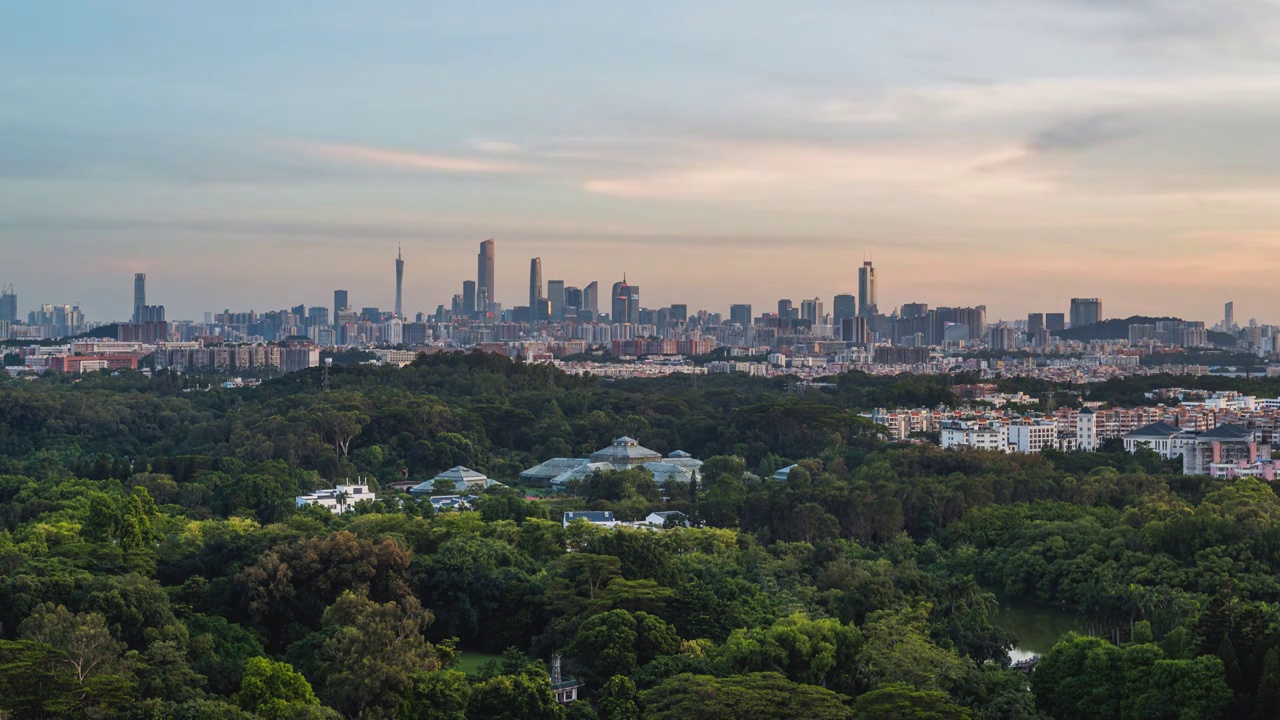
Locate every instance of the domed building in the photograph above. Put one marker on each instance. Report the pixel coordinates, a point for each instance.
(623, 453)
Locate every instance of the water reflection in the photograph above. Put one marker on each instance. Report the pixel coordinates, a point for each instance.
(1037, 625)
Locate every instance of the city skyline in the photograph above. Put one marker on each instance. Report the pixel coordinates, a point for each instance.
(865, 285)
(1124, 155)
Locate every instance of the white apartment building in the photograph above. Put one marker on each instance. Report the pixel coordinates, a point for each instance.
(1032, 436)
(981, 436)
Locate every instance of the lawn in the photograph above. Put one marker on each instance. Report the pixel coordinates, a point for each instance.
(471, 661)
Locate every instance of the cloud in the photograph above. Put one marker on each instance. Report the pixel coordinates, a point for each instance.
(408, 160)
(970, 102)
(1081, 133)
(744, 170)
(494, 147)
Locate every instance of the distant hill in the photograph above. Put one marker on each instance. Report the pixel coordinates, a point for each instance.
(1114, 329)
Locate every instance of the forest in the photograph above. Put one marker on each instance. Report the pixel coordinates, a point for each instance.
(153, 563)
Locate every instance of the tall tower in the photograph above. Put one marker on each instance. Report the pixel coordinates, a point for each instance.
(535, 284)
(8, 304)
(399, 283)
(484, 276)
(555, 294)
(1228, 317)
(591, 298)
(340, 303)
(139, 296)
(866, 289)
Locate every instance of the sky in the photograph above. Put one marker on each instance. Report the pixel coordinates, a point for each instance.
(251, 155)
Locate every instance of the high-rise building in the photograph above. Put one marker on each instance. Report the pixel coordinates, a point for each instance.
(591, 297)
(680, 312)
(340, 304)
(740, 315)
(844, 306)
(399, 284)
(1035, 322)
(555, 296)
(572, 299)
(535, 284)
(866, 289)
(8, 305)
(139, 295)
(914, 310)
(811, 310)
(484, 276)
(468, 297)
(1085, 311)
(1229, 316)
(626, 303)
(785, 309)
(1055, 322)
(317, 316)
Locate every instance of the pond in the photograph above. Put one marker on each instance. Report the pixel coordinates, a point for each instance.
(1037, 625)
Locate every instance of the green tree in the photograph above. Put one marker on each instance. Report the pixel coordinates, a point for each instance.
(525, 695)
(618, 642)
(899, 701)
(618, 699)
(374, 652)
(1267, 699)
(897, 649)
(759, 696)
(273, 689)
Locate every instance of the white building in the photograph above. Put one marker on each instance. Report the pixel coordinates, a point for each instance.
(1086, 430)
(1032, 436)
(1164, 439)
(601, 518)
(966, 434)
(337, 499)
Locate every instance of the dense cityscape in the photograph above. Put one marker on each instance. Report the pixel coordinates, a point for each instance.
(572, 327)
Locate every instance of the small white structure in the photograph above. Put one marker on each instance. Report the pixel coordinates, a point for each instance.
(659, 519)
(440, 503)
(337, 499)
(601, 518)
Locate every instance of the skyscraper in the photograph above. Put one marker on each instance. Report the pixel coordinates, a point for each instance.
(866, 289)
(591, 298)
(811, 310)
(1085, 311)
(1035, 322)
(626, 303)
(572, 299)
(535, 285)
(555, 295)
(139, 296)
(339, 304)
(1228, 316)
(1055, 322)
(8, 305)
(399, 284)
(784, 309)
(740, 315)
(844, 306)
(468, 297)
(484, 276)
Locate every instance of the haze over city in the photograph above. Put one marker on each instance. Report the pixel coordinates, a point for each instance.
(1008, 154)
